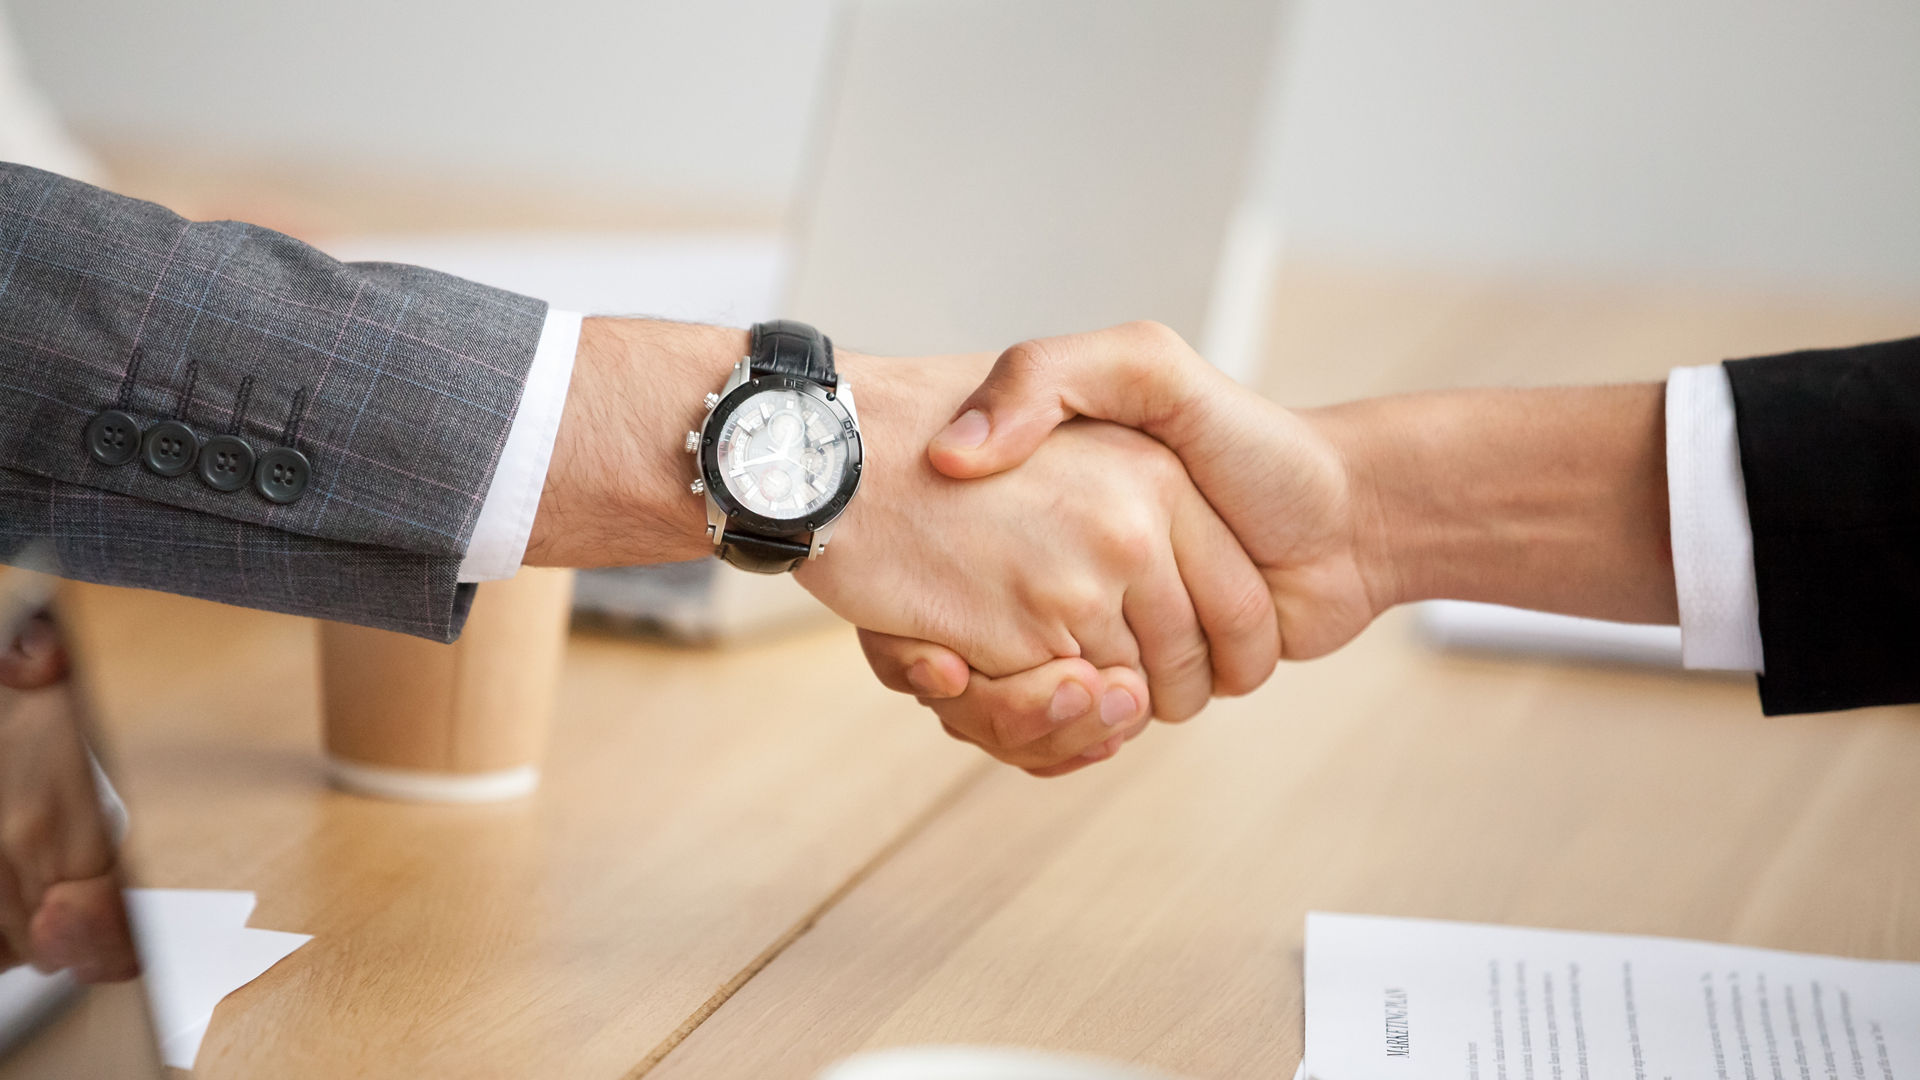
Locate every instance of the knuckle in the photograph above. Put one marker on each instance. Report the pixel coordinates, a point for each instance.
(1179, 712)
(1129, 537)
(1076, 602)
(1249, 610)
(1093, 607)
(1026, 359)
(1235, 679)
(1238, 681)
(1192, 662)
(1128, 549)
(1153, 343)
(1153, 330)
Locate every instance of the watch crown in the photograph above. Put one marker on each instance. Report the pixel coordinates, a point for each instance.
(712, 400)
(698, 487)
(693, 441)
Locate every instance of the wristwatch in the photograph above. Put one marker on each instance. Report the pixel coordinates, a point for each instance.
(779, 452)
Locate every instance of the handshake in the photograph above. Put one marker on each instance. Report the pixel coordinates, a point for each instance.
(1053, 547)
(1050, 548)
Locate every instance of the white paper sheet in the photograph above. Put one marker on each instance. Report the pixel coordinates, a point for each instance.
(195, 949)
(29, 999)
(1413, 999)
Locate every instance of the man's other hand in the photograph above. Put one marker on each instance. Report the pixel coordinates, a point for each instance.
(60, 900)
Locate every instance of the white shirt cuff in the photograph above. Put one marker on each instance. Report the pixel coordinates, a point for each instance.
(1712, 535)
(506, 516)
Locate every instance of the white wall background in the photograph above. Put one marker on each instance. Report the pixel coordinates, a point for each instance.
(1745, 141)
(1769, 140)
(710, 97)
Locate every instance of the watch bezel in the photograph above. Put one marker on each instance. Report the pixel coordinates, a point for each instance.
(737, 513)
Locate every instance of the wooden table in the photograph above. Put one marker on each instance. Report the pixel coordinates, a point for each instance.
(708, 886)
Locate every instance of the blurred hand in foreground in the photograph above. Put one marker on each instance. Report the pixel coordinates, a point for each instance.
(60, 899)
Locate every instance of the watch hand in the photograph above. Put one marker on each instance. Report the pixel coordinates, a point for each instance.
(764, 458)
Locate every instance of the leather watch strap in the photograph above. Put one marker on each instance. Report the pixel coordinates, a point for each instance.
(780, 347)
(762, 554)
(789, 347)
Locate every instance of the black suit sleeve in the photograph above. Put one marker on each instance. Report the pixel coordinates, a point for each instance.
(1830, 449)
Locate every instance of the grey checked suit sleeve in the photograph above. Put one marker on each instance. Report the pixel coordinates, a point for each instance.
(398, 384)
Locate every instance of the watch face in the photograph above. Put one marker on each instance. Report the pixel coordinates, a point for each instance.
(783, 453)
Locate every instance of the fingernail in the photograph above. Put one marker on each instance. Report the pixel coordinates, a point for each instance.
(1117, 707)
(966, 433)
(920, 677)
(1069, 702)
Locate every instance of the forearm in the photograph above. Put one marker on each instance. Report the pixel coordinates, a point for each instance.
(1551, 499)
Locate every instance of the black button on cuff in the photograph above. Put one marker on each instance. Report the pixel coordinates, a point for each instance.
(169, 448)
(226, 463)
(113, 437)
(281, 475)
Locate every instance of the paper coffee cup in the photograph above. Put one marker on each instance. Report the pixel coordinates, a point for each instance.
(407, 718)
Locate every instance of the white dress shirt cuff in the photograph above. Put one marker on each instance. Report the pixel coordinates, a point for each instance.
(506, 516)
(1712, 535)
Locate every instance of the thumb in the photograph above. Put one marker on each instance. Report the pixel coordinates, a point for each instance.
(1137, 374)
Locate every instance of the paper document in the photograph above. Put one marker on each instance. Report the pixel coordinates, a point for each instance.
(1414, 999)
(196, 948)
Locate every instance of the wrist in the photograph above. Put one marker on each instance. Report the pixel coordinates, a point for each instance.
(1379, 521)
(903, 403)
(617, 489)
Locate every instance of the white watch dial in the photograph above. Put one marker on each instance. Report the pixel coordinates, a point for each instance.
(782, 454)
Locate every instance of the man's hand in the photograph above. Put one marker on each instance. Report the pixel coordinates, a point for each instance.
(60, 901)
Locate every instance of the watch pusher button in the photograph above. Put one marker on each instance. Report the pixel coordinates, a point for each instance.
(698, 487)
(712, 400)
(693, 441)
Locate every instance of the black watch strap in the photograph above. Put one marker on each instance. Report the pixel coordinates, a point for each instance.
(788, 347)
(780, 347)
(762, 554)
